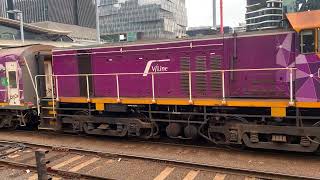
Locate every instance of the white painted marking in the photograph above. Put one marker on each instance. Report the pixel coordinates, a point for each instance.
(191, 175)
(164, 174)
(56, 178)
(147, 69)
(249, 178)
(84, 164)
(67, 162)
(13, 156)
(219, 176)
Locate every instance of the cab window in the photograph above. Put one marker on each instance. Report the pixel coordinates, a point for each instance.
(307, 42)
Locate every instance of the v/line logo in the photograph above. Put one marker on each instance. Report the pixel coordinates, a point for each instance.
(157, 67)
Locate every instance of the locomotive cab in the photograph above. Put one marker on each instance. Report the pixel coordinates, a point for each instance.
(307, 60)
(307, 24)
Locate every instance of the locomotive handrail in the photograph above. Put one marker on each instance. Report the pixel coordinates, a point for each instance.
(121, 50)
(117, 75)
(173, 72)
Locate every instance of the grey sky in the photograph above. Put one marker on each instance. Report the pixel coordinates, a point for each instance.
(200, 12)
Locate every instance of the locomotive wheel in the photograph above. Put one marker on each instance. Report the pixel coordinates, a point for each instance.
(78, 122)
(87, 127)
(76, 126)
(146, 133)
(191, 132)
(173, 130)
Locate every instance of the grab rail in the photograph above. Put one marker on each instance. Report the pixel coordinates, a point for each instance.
(190, 73)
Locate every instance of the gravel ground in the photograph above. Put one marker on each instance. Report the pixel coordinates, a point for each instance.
(19, 174)
(14, 174)
(108, 167)
(290, 163)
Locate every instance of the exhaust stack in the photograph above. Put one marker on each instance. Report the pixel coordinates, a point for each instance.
(214, 13)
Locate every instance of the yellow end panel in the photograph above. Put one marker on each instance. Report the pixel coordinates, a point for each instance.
(4, 104)
(258, 103)
(73, 100)
(52, 112)
(308, 104)
(207, 102)
(100, 106)
(304, 20)
(278, 112)
(104, 100)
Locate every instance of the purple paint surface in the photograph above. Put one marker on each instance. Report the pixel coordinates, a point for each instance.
(68, 86)
(252, 52)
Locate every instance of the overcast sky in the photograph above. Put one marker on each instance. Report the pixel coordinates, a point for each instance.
(200, 12)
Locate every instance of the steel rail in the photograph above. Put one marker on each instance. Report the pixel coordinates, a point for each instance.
(164, 142)
(179, 163)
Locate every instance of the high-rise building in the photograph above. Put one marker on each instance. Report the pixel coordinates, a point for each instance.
(300, 5)
(143, 19)
(263, 14)
(75, 12)
(290, 6)
(309, 5)
(3, 8)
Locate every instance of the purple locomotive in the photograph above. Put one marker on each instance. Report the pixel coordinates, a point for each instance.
(260, 89)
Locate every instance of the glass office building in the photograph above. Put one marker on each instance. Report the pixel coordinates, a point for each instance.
(147, 19)
(290, 6)
(75, 12)
(263, 14)
(3, 8)
(300, 5)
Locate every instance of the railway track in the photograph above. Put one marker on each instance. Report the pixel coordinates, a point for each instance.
(161, 141)
(70, 163)
(175, 143)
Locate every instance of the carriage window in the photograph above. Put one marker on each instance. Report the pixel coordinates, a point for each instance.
(307, 41)
(12, 79)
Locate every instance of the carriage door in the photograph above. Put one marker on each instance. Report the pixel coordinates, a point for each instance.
(48, 78)
(13, 83)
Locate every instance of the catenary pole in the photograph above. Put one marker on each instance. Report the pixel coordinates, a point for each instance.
(221, 17)
(97, 22)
